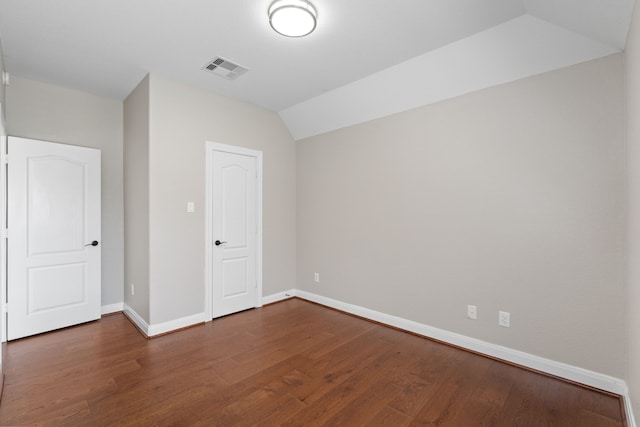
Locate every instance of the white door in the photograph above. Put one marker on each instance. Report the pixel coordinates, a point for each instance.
(54, 234)
(235, 218)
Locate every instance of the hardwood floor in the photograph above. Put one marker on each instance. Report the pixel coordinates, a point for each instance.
(293, 363)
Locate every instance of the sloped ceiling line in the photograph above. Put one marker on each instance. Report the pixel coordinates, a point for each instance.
(519, 48)
(366, 59)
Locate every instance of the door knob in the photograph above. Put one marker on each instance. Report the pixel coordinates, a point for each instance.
(218, 242)
(94, 243)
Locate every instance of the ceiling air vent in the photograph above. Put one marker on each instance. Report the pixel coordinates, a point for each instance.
(225, 68)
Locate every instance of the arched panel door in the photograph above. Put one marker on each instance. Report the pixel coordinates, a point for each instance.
(54, 236)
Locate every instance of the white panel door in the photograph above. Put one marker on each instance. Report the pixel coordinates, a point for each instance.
(234, 229)
(54, 235)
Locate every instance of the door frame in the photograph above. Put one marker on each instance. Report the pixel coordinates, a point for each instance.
(3, 227)
(210, 148)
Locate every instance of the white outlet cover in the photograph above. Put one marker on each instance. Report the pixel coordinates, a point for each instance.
(472, 312)
(504, 319)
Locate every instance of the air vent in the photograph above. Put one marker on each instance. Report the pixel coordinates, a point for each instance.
(225, 68)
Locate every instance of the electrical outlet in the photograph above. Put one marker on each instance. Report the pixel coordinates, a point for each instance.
(504, 319)
(133, 290)
(472, 312)
(316, 277)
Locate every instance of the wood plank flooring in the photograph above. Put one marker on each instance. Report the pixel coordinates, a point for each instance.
(291, 364)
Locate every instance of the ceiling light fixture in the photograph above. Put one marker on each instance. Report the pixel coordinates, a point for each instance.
(292, 18)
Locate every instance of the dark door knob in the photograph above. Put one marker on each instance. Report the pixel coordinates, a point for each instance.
(94, 243)
(218, 242)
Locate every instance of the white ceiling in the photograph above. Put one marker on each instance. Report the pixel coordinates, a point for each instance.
(107, 46)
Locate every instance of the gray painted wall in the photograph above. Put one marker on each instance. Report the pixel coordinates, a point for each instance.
(136, 199)
(511, 198)
(182, 118)
(52, 113)
(632, 62)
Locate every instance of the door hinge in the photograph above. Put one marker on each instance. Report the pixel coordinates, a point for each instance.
(5, 233)
(4, 158)
(6, 307)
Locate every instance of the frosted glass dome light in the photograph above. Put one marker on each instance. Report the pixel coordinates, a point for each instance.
(292, 18)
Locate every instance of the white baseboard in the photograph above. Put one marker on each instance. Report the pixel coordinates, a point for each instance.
(161, 328)
(563, 370)
(172, 325)
(112, 308)
(280, 296)
(628, 409)
(137, 319)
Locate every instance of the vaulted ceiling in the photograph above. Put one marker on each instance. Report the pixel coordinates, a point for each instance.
(366, 59)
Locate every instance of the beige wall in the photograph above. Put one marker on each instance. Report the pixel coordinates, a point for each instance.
(136, 199)
(511, 198)
(632, 62)
(52, 113)
(182, 119)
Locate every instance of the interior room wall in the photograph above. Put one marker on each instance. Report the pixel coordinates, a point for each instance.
(182, 118)
(511, 198)
(632, 72)
(136, 199)
(52, 113)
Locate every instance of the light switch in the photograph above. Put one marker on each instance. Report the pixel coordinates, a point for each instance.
(191, 207)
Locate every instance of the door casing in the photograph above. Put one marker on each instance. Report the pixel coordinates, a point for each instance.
(210, 148)
(3, 240)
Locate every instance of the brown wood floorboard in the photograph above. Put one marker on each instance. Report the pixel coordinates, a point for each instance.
(288, 364)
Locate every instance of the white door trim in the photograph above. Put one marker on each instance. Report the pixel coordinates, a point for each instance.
(3, 223)
(210, 147)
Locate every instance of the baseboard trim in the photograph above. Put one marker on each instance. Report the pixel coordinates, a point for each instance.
(628, 409)
(277, 297)
(112, 308)
(172, 325)
(551, 367)
(137, 320)
(558, 369)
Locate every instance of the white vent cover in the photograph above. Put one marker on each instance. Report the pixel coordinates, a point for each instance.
(225, 68)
